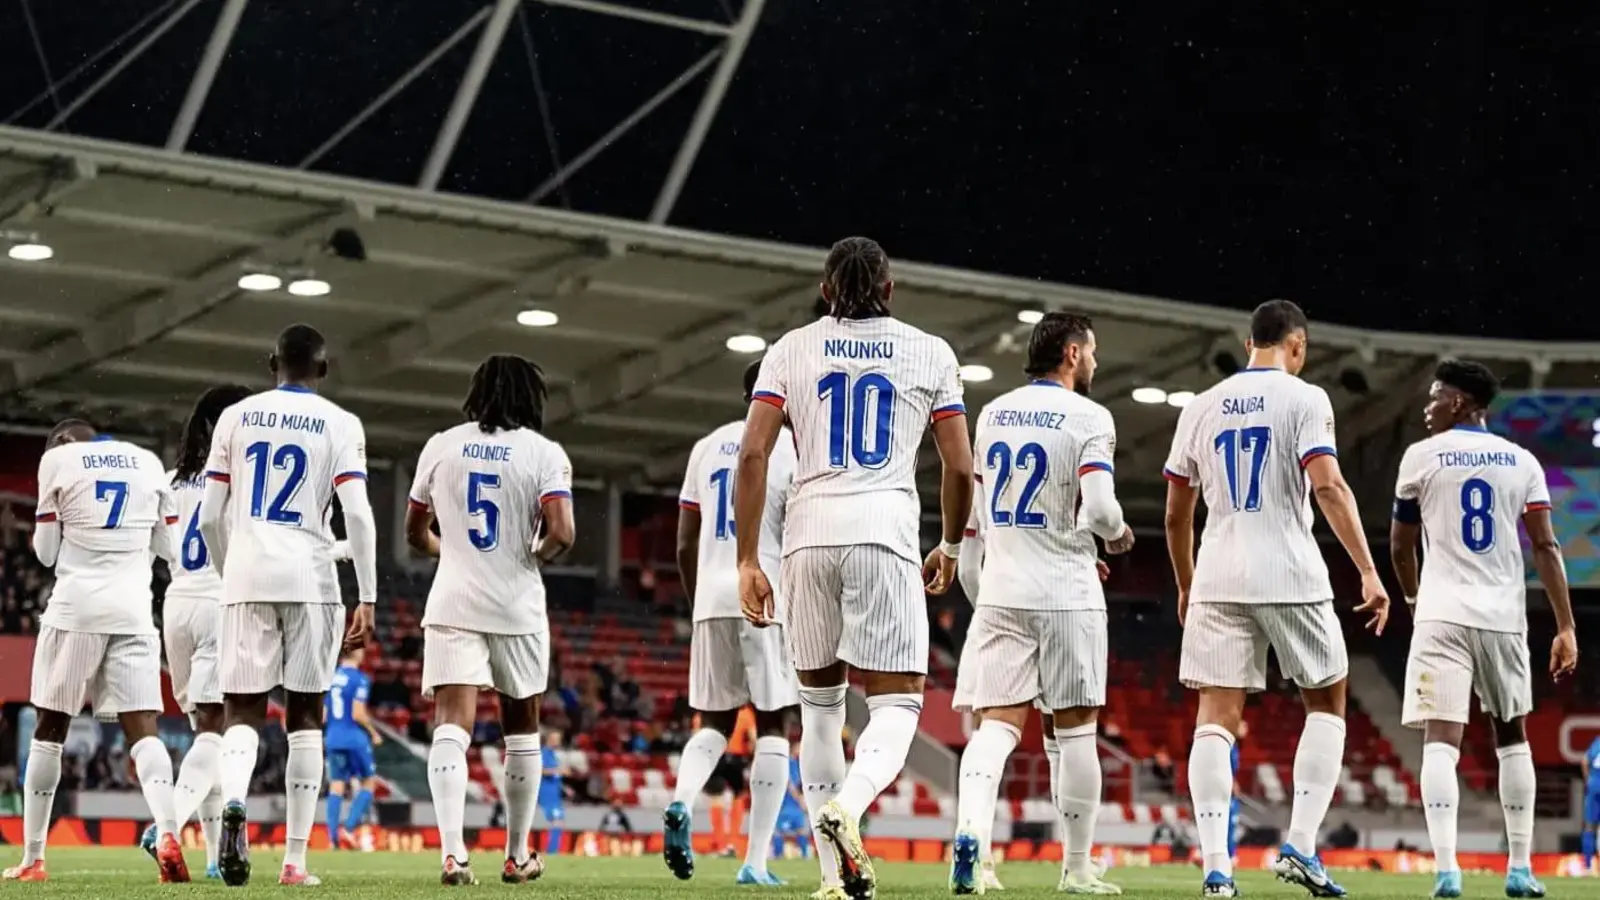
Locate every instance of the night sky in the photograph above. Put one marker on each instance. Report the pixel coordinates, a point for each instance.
(1385, 168)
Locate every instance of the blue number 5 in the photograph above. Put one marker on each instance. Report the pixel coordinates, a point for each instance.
(478, 505)
(195, 555)
(1477, 515)
(117, 493)
(1244, 449)
(723, 479)
(847, 418)
(1029, 458)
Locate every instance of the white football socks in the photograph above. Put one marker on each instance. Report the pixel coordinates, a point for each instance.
(983, 765)
(1518, 784)
(1052, 754)
(154, 767)
(696, 763)
(302, 776)
(447, 781)
(881, 750)
(524, 768)
(211, 823)
(39, 789)
(1441, 801)
(197, 776)
(238, 762)
(1079, 799)
(822, 762)
(769, 782)
(1317, 763)
(1211, 794)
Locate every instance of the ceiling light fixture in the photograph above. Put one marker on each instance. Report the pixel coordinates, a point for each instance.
(746, 343)
(259, 281)
(975, 373)
(1149, 395)
(1030, 316)
(537, 318)
(1180, 399)
(30, 251)
(309, 287)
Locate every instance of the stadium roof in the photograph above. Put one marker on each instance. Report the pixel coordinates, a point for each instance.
(139, 310)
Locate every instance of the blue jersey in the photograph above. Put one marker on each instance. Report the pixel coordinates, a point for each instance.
(1593, 757)
(1233, 758)
(550, 783)
(790, 804)
(342, 731)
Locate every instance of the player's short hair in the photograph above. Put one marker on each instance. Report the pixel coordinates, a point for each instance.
(1273, 322)
(195, 445)
(1471, 378)
(68, 430)
(1047, 345)
(858, 271)
(507, 392)
(302, 353)
(751, 373)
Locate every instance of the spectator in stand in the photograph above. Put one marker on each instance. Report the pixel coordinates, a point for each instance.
(944, 631)
(1163, 771)
(391, 693)
(615, 821)
(1111, 733)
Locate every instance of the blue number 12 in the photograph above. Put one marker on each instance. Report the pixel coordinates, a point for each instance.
(1244, 455)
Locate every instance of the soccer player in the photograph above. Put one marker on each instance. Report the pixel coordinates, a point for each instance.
(1591, 803)
(731, 661)
(104, 507)
(349, 736)
(1039, 631)
(858, 388)
(1466, 490)
(189, 629)
(969, 575)
(491, 483)
(271, 539)
(793, 820)
(1251, 444)
(552, 798)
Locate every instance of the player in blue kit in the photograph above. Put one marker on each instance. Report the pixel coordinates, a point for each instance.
(1591, 802)
(793, 820)
(551, 801)
(349, 737)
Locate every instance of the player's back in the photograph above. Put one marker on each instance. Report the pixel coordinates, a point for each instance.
(193, 575)
(283, 452)
(1247, 441)
(487, 491)
(1033, 444)
(1472, 488)
(859, 395)
(350, 686)
(108, 496)
(708, 487)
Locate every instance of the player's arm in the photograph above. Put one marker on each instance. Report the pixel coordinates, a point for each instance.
(163, 543)
(1181, 498)
(1405, 526)
(761, 427)
(419, 529)
(555, 505)
(970, 574)
(47, 514)
(359, 713)
(1319, 457)
(1101, 511)
(361, 529)
(689, 524)
(1547, 561)
(213, 517)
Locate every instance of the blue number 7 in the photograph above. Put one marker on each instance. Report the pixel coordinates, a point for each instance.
(118, 492)
(1235, 444)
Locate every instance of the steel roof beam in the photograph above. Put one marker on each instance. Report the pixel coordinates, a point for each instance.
(205, 75)
(444, 145)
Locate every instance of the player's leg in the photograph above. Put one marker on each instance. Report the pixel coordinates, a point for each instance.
(1503, 678)
(519, 670)
(1311, 652)
(1223, 656)
(1438, 698)
(716, 691)
(312, 634)
(366, 771)
(775, 692)
(1074, 647)
(64, 666)
(997, 678)
(455, 666)
(128, 686)
(811, 586)
(338, 774)
(251, 665)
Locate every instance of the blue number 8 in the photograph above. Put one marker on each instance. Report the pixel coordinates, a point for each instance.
(478, 505)
(847, 418)
(195, 555)
(1477, 515)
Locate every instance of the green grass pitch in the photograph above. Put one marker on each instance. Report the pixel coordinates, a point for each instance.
(127, 874)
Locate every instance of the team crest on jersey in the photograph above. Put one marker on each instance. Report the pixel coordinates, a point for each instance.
(1328, 425)
(1111, 448)
(361, 451)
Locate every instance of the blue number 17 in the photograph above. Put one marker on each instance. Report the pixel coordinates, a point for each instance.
(1244, 455)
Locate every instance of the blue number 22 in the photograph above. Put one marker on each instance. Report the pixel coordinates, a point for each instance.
(1029, 458)
(479, 505)
(723, 480)
(847, 418)
(117, 493)
(1477, 515)
(289, 459)
(1244, 455)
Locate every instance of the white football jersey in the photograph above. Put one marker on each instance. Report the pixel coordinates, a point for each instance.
(1247, 441)
(708, 487)
(109, 496)
(193, 575)
(1469, 489)
(859, 395)
(487, 491)
(282, 452)
(1032, 445)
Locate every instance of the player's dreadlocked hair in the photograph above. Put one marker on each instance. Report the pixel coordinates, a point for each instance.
(1471, 378)
(507, 392)
(195, 445)
(857, 270)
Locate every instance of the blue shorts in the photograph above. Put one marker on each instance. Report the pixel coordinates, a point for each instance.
(348, 764)
(1591, 808)
(792, 821)
(553, 812)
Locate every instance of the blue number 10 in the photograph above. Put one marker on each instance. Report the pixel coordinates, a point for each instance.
(847, 418)
(723, 480)
(1244, 455)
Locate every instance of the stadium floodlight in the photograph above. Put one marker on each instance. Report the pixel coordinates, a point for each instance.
(30, 251)
(537, 318)
(974, 372)
(259, 281)
(1030, 316)
(746, 343)
(1180, 399)
(309, 287)
(1149, 395)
